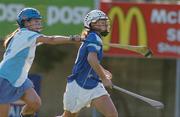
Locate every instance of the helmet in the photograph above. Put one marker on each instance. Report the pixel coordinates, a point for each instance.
(93, 16)
(27, 14)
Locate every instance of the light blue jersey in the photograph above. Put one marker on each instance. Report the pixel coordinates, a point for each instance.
(82, 72)
(19, 57)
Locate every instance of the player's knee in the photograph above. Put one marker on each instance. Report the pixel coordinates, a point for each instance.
(35, 104)
(112, 114)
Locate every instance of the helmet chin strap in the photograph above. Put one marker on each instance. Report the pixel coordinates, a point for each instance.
(104, 33)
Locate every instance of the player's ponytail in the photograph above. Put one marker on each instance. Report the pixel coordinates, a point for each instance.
(9, 37)
(84, 33)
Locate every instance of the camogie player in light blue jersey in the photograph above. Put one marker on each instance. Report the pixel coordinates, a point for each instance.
(85, 86)
(18, 58)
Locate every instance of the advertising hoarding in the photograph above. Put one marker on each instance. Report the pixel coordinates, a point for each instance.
(154, 25)
(59, 17)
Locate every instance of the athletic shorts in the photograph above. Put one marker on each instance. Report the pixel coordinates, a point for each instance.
(76, 97)
(9, 93)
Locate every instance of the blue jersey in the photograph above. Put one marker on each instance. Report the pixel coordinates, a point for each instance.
(82, 72)
(18, 57)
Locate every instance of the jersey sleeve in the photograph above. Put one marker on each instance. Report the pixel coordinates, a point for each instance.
(91, 47)
(32, 37)
(93, 43)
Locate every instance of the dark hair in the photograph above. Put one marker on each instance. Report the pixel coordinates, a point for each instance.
(9, 37)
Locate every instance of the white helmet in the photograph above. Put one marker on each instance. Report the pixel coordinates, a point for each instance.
(93, 16)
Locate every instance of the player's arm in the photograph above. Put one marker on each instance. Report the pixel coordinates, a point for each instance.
(58, 39)
(93, 61)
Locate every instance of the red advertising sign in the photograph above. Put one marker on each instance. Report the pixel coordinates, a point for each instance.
(154, 25)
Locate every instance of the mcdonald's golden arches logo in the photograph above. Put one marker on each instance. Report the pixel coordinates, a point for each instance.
(125, 24)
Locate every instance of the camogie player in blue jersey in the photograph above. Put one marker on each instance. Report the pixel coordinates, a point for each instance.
(85, 86)
(18, 58)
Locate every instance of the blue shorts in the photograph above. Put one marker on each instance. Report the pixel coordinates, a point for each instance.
(9, 93)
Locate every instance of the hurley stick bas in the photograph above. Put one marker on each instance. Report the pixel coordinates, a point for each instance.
(143, 50)
(153, 103)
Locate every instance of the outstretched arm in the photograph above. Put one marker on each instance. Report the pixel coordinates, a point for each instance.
(58, 39)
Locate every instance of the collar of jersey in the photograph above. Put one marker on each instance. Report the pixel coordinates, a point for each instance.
(22, 29)
(98, 39)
